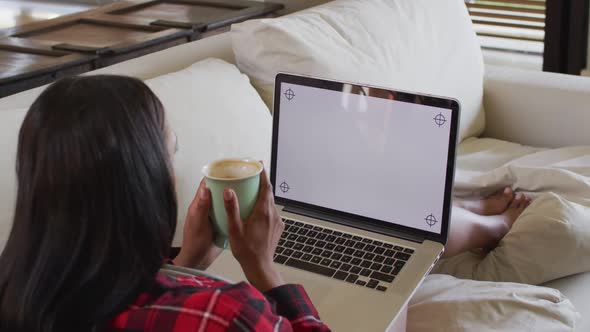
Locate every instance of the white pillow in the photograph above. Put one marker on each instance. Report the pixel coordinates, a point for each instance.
(10, 123)
(215, 113)
(444, 303)
(550, 240)
(416, 45)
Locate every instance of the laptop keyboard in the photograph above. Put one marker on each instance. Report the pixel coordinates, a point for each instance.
(342, 256)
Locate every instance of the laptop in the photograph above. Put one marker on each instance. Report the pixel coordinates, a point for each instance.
(363, 179)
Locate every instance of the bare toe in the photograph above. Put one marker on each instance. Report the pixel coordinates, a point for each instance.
(517, 206)
(528, 201)
(525, 201)
(520, 202)
(500, 224)
(500, 201)
(516, 201)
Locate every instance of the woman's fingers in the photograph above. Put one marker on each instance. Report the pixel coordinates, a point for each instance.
(232, 209)
(201, 203)
(265, 189)
(265, 194)
(266, 186)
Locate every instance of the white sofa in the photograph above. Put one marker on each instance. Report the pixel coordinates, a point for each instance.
(531, 108)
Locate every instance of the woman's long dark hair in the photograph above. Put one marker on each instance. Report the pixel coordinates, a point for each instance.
(95, 210)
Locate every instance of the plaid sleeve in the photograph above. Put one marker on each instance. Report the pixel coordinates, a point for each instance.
(196, 303)
(285, 308)
(292, 302)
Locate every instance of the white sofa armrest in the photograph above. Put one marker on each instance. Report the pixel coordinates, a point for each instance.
(537, 108)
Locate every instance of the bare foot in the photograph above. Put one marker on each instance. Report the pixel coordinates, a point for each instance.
(471, 231)
(499, 225)
(517, 206)
(490, 206)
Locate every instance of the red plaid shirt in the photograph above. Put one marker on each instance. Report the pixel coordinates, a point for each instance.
(187, 303)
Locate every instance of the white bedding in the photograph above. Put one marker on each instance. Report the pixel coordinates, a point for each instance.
(551, 239)
(444, 303)
(486, 165)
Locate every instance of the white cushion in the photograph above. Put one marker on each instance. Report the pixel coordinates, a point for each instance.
(415, 45)
(444, 303)
(215, 113)
(10, 122)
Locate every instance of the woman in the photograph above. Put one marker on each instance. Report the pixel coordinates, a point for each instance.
(95, 217)
(96, 212)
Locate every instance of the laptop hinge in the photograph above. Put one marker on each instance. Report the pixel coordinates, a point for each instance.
(354, 223)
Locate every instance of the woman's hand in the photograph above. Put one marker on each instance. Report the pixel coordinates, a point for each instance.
(198, 250)
(253, 241)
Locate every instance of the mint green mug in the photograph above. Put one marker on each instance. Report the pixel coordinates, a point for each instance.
(241, 175)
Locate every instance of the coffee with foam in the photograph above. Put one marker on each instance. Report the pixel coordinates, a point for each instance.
(233, 169)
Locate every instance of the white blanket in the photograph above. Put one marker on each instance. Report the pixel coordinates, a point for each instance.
(551, 239)
(444, 303)
(487, 165)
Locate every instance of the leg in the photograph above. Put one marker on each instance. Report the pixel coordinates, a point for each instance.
(472, 231)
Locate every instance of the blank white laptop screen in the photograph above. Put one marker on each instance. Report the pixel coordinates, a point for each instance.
(366, 155)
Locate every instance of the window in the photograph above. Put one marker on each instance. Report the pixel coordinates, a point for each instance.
(551, 35)
(511, 30)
